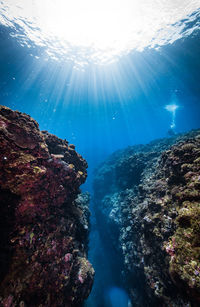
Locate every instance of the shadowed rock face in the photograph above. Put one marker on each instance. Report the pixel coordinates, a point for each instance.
(151, 210)
(44, 226)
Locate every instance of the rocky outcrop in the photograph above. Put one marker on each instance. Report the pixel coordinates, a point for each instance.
(43, 218)
(147, 201)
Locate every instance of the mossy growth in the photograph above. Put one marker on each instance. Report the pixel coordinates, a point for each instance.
(185, 244)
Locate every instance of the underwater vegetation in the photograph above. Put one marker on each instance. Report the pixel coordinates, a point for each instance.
(43, 217)
(147, 201)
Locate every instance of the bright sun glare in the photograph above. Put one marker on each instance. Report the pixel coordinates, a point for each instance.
(87, 23)
(96, 30)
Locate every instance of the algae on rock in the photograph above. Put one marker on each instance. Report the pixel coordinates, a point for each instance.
(152, 212)
(44, 242)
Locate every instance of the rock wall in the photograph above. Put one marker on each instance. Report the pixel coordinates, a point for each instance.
(43, 218)
(147, 202)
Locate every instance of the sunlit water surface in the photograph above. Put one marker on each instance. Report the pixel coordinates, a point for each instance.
(98, 31)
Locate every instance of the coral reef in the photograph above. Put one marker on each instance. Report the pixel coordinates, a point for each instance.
(151, 209)
(43, 218)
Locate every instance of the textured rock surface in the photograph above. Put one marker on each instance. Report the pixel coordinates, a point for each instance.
(43, 221)
(149, 199)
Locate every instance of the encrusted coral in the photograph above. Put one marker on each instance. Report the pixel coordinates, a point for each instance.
(42, 245)
(152, 212)
(185, 260)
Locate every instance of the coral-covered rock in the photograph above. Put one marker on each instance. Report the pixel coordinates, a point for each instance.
(44, 227)
(152, 213)
(60, 149)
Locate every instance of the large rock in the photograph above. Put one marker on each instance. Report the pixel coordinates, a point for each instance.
(44, 226)
(150, 210)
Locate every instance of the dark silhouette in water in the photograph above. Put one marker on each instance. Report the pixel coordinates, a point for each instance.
(171, 132)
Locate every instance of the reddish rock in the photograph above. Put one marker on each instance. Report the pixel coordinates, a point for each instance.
(42, 252)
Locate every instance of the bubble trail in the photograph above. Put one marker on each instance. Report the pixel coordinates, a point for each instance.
(172, 108)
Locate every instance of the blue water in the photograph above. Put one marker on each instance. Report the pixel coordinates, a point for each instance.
(102, 108)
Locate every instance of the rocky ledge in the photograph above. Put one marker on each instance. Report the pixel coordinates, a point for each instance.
(43, 217)
(147, 202)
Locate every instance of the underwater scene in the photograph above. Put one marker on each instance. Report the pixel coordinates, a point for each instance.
(100, 153)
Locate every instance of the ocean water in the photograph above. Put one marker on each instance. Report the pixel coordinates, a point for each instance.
(120, 75)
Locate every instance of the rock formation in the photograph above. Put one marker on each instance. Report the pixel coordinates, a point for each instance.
(147, 202)
(43, 218)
